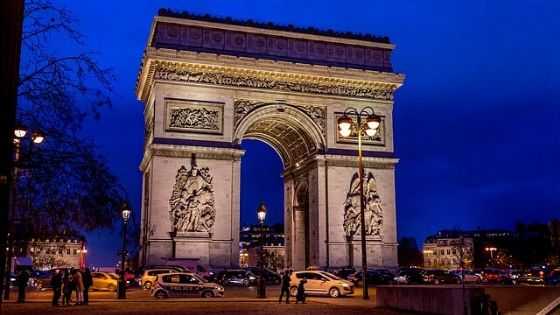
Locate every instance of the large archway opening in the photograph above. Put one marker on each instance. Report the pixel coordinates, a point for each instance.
(296, 139)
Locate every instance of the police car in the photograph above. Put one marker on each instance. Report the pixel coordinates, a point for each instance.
(184, 284)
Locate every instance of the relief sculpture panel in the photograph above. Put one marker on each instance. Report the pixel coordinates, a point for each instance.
(191, 206)
(372, 210)
(194, 116)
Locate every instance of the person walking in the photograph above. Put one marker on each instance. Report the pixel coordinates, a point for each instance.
(56, 284)
(78, 286)
(22, 279)
(285, 288)
(300, 296)
(88, 282)
(66, 288)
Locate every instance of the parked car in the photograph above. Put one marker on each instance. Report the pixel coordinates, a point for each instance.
(345, 273)
(104, 281)
(270, 276)
(468, 276)
(491, 275)
(553, 278)
(321, 283)
(438, 276)
(183, 284)
(409, 276)
(531, 277)
(236, 277)
(149, 277)
(374, 277)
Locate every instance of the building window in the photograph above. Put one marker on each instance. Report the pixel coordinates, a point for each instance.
(448, 251)
(68, 251)
(75, 252)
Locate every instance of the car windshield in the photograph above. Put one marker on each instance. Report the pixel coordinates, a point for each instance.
(199, 278)
(330, 275)
(114, 276)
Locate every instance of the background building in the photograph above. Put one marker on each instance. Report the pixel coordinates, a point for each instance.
(274, 249)
(448, 250)
(525, 246)
(44, 252)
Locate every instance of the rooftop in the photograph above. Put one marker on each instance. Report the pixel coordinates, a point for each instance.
(273, 26)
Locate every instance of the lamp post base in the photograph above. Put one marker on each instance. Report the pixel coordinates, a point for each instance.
(261, 289)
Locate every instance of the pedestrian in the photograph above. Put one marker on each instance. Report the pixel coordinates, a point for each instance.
(88, 282)
(66, 288)
(300, 296)
(78, 286)
(56, 284)
(22, 279)
(285, 288)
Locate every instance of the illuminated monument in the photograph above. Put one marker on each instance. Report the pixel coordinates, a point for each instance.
(209, 83)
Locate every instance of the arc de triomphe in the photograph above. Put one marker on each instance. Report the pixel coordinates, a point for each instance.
(209, 83)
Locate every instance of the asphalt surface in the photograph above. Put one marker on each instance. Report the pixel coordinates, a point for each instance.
(193, 307)
(237, 300)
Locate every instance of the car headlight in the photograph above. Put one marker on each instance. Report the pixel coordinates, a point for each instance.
(252, 278)
(345, 285)
(220, 288)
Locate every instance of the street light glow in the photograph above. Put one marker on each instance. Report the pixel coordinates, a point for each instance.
(126, 212)
(37, 137)
(20, 132)
(261, 212)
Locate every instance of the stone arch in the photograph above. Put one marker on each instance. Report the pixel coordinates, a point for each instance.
(287, 129)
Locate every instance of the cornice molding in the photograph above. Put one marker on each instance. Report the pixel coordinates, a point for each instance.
(176, 71)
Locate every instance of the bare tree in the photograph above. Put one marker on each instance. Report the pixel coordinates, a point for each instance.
(66, 185)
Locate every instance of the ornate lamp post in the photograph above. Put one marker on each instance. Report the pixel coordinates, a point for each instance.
(37, 137)
(261, 215)
(369, 127)
(125, 211)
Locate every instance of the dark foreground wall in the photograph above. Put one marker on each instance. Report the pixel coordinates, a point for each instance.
(428, 299)
(448, 300)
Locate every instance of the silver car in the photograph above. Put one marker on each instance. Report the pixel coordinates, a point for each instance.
(184, 284)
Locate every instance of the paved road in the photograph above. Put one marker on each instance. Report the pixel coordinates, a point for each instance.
(137, 294)
(194, 308)
(236, 301)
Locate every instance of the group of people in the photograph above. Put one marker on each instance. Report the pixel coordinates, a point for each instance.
(66, 282)
(285, 288)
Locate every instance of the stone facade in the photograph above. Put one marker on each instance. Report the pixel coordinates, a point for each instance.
(201, 103)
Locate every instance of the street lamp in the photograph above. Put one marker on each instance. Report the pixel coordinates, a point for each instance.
(125, 212)
(491, 250)
(37, 137)
(370, 128)
(261, 216)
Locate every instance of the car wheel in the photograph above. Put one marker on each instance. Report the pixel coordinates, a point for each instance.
(245, 283)
(334, 292)
(160, 295)
(111, 287)
(293, 291)
(147, 285)
(207, 294)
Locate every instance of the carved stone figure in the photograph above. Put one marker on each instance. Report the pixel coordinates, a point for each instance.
(373, 211)
(191, 206)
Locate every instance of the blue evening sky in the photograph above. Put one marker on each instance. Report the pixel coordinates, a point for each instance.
(476, 123)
